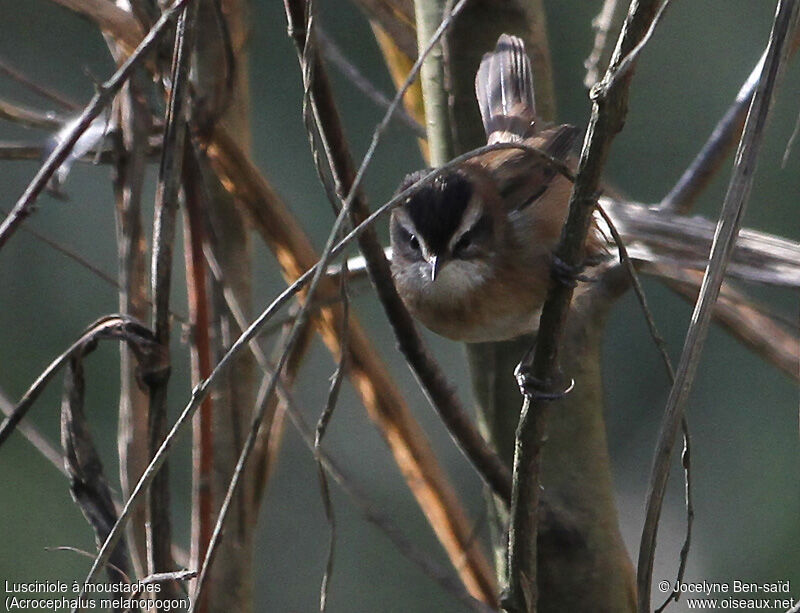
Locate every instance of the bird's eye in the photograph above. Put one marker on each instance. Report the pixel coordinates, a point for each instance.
(408, 237)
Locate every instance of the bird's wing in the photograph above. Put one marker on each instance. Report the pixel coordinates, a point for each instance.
(521, 176)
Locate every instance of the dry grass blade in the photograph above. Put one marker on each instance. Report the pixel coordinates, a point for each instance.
(686, 457)
(39, 441)
(28, 117)
(727, 228)
(45, 92)
(87, 483)
(369, 510)
(286, 351)
(130, 163)
(200, 350)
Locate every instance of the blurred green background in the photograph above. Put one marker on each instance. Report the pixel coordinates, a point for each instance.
(743, 413)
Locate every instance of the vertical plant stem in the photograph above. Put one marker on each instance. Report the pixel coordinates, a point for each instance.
(429, 15)
(200, 347)
(220, 79)
(132, 443)
(167, 192)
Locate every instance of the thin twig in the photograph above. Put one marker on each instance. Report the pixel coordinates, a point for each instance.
(336, 57)
(605, 24)
(727, 228)
(384, 522)
(322, 426)
(94, 269)
(29, 117)
(105, 93)
(432, 379)
(87, 554)
(430, 375)
(44, 91)
(70, 253)
(35, 437)
(661, 346)
(449, 582)
(309, 65)
(200, 348)
(311, 114)
(630, 58)
(609, 107)
(171, 577)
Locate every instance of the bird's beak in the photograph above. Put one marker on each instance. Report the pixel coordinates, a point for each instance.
(437, 262)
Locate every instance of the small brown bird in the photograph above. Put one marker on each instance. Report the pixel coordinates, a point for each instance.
(472, 251)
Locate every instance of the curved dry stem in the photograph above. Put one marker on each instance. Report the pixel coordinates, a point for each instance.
(727, 228)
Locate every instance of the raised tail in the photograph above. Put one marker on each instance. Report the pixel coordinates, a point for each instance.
(504, 88)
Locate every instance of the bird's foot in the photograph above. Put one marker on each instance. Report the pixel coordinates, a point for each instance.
(536, 389)
(566, 274)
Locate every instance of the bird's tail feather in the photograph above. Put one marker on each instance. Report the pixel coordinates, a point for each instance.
(504, 88)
